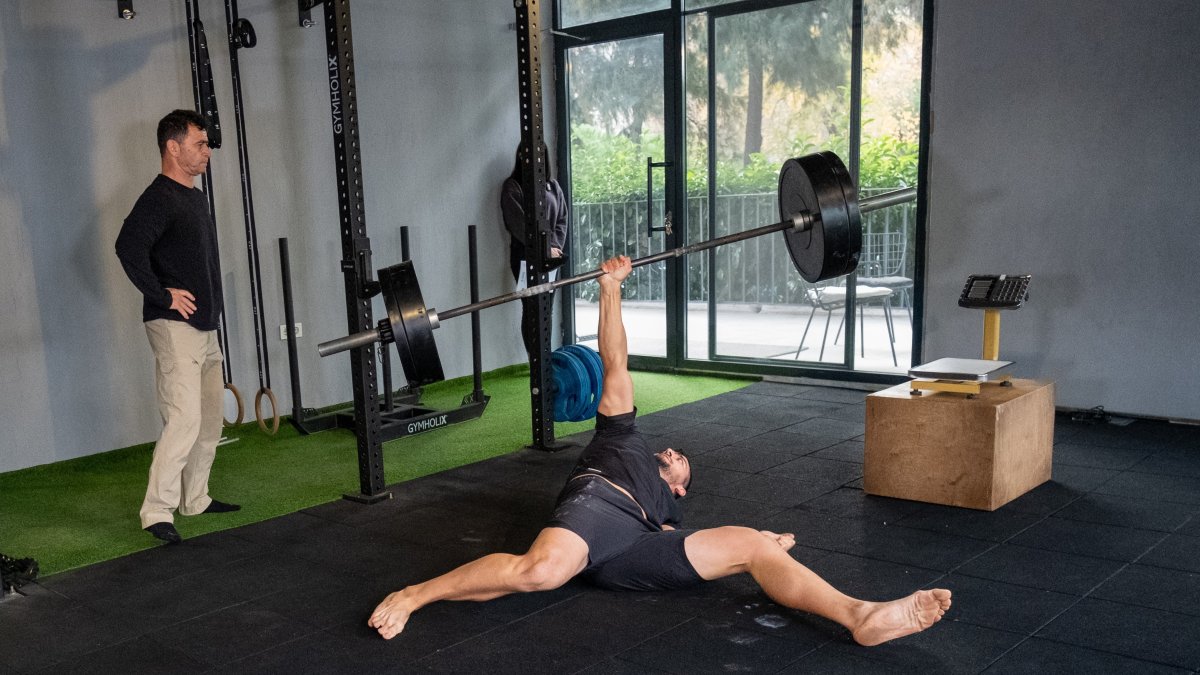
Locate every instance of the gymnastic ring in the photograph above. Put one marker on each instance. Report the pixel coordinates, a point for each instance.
(258, 411)
(237, 396)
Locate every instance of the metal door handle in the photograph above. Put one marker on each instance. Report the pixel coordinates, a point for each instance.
(651, 165)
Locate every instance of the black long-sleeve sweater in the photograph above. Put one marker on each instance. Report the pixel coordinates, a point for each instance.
(169, 241)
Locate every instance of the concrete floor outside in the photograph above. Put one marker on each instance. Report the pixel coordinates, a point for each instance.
(766, 332)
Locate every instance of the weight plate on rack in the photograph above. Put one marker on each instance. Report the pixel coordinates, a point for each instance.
(594, 367)
(411, 329)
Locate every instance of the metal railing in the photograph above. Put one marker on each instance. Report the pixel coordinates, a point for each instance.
(757, 271)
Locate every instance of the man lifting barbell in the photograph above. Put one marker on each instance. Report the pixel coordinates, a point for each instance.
(616, 525)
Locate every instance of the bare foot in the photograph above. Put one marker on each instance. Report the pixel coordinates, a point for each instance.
(786, 540)
(391, 615)
(885, 621)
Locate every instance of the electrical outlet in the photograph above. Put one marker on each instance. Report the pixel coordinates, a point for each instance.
(298, 331)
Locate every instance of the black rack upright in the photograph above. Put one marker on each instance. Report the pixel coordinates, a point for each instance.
(372, 423)
(356, 247)
(533, 181)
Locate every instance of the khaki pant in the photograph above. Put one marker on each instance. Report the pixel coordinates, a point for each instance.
(190, 400)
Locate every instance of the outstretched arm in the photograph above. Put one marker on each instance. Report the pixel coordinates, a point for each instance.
(614, 349)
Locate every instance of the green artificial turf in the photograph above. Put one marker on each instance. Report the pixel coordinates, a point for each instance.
(85, 510)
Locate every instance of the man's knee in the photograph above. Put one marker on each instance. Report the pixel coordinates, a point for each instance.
(747, 536)
(750, 539)
(182, 431)
(545, 571)
(731, 549)
(757, 547)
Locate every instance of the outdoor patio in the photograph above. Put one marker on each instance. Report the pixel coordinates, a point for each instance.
(762, 332)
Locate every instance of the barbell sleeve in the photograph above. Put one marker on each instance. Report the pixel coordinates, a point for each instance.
(887, 199)
(367, 337)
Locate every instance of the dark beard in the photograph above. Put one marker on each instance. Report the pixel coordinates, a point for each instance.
(662, 462)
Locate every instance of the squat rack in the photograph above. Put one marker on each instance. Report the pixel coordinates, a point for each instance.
(360, 285)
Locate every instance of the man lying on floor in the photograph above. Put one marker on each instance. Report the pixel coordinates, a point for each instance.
(615, 523)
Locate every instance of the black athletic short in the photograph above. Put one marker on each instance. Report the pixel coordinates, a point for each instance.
(624, 551)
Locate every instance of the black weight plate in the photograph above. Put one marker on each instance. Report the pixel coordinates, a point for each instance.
(411, 329)
(853, 215)
(820, 184)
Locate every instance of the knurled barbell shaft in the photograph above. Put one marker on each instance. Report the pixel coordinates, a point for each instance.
(637, 262)
(799, 223)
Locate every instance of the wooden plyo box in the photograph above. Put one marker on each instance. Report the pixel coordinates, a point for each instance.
(944, 448)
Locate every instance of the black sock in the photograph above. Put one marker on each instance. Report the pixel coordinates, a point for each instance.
(221, 507)
(166, 532)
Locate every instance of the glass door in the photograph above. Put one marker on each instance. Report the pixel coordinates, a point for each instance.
(761, 87)
(678, 116)
(619, 177)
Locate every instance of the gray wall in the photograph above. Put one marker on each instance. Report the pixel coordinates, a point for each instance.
(1065, 145)
(80, 94)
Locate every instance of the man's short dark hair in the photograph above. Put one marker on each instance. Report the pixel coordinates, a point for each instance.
(174, 127)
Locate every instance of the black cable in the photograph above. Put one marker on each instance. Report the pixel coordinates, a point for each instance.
(1091, 416)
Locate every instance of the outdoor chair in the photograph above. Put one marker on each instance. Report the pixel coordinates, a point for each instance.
(882, 264)
(830, 298)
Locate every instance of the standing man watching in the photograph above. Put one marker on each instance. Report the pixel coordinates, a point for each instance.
(617, 525)
(168, 247)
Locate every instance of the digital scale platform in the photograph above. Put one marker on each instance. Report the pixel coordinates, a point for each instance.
(991, 293)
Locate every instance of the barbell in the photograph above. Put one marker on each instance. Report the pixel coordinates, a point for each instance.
(822, 227)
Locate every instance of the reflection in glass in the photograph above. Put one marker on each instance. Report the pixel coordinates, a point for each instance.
(780, 88)
(767, 104)
(577, 12)
(615, 92)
